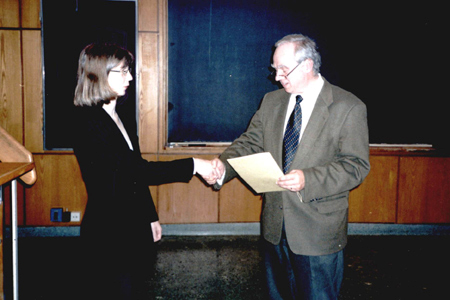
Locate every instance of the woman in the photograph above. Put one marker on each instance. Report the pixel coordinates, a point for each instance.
(120, 224)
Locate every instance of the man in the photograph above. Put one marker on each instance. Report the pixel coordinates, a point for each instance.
(305, 227)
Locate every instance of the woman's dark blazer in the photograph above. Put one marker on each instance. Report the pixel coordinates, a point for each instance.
(119, 208)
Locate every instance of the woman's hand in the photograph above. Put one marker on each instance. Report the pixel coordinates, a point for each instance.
(157, 231)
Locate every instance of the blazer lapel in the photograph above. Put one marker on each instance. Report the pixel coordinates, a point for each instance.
(114, 129)
(130, 127)
(278, 128)
(316, 122)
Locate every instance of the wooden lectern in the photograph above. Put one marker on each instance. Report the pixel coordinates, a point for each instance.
(16, 162)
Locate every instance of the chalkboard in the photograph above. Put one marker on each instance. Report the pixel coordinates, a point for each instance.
(392, 58)
(67, 27)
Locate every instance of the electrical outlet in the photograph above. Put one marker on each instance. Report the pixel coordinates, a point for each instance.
(75, 217)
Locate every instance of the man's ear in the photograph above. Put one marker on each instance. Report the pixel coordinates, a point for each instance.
(307, 65)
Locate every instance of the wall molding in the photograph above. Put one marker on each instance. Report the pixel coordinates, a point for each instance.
(224, 229)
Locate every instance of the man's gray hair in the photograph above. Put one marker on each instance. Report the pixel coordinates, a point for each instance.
(304, 48)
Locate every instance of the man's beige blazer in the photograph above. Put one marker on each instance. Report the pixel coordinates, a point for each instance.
(334, 156)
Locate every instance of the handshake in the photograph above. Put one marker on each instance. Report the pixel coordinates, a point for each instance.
(210, 170)
(213, 171)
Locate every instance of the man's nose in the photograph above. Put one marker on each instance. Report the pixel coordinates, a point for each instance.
(278, 75)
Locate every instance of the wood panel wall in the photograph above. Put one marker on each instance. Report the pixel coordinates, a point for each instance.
(19, 48)
(401, 188)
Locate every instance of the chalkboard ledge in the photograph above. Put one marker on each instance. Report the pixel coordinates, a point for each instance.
(407, 150)
(375, 149)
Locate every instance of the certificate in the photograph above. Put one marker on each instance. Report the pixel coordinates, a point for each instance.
(260, 171)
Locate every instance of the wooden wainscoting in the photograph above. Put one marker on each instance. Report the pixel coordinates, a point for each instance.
(192, 202)
(59, 184)
(375, 200)
(424, 190)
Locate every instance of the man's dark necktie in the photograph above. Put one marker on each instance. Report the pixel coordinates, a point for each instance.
(292, 134)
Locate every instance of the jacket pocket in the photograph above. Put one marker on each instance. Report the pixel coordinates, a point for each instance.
(331, 204)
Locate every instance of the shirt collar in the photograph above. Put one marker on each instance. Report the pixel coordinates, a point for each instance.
(314, 90)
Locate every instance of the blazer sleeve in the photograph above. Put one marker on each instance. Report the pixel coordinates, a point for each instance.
(250, 142)
(101, 150)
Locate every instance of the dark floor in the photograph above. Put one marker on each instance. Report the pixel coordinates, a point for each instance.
(377, 267)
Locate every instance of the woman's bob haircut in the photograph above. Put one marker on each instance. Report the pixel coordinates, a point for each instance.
(95, 63)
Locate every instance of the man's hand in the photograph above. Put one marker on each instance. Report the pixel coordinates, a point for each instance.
(219, 168)
(210, 170)
(293, 181)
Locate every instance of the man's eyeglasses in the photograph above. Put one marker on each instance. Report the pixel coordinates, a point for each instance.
(274, 72)
(124, 72)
